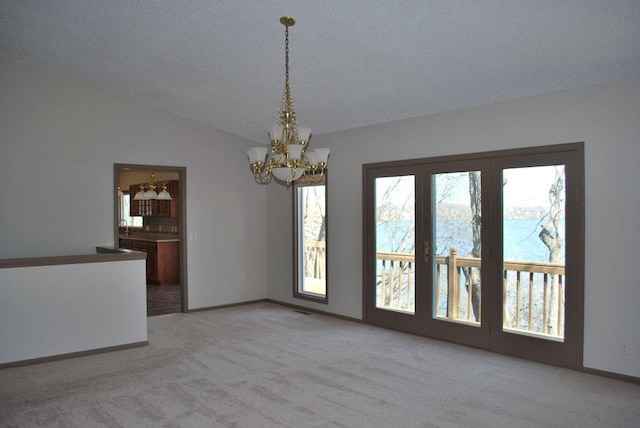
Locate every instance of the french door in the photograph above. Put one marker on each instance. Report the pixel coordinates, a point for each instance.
(484, 250)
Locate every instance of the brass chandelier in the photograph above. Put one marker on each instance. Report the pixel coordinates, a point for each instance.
(289, 158)
(147, 191)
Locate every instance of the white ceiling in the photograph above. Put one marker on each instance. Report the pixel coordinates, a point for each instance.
(353, 63)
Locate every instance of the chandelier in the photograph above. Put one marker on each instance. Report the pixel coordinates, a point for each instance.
(147, 191)
(289, 157)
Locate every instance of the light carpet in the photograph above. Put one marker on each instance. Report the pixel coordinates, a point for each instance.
(266, 365)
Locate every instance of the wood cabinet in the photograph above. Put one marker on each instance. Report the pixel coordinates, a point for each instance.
(134, 205)
(156, 207)
(163, 258)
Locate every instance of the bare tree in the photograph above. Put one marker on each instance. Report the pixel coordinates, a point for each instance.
(395, 218)
(397, 215)
(472, 275)
(314, 226)
(552, 235)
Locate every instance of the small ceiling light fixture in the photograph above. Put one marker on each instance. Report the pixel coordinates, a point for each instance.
(289, 157)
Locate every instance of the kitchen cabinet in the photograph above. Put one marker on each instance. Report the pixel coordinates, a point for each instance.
(152, 260)
(163, 258)
(134, 205)
(156, 207)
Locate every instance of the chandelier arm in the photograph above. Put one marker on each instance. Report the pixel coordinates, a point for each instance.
(263, 176)
(262, 180)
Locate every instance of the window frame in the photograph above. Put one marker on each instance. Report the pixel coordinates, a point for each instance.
(298, 292)
(125, 212)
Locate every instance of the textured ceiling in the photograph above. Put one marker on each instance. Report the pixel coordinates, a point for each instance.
(353, 63)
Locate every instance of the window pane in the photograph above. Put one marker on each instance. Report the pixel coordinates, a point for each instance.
(311, 237)
(534, 250)
(395, 243)
(456, 261)
(125, 216)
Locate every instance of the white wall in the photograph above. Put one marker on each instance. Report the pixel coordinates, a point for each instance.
(59, 140)
(606, 117)
(54, 310)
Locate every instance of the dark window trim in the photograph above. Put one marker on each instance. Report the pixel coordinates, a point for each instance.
(297, 294)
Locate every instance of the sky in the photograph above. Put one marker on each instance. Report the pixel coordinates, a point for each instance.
(524, 187)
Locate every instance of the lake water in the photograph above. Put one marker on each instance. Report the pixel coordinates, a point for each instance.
(521, 241)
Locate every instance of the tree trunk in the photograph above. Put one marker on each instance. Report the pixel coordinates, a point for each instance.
(552, 235)
(472, 275)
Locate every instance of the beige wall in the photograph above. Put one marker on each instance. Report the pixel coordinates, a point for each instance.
(606, 117)
(59, 140)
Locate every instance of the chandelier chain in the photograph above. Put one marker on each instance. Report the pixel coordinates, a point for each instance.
(287, 89)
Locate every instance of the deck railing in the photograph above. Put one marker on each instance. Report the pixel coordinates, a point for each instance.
(533, 293)
(396, 281)
(315, 259)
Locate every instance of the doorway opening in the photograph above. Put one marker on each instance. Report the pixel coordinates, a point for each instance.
(156, 227)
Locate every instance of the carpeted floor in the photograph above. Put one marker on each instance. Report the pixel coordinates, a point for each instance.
(265, 365)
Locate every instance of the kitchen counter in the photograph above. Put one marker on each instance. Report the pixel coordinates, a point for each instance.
(163, 254)
(102, 254)
(152, 237)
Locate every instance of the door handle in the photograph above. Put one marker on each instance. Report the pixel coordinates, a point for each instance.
(425, 251)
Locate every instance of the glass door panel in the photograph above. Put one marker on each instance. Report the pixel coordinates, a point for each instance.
(395, 229)
(455, 256)
(533, 230)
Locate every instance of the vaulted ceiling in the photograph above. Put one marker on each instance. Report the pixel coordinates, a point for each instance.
(353, 63)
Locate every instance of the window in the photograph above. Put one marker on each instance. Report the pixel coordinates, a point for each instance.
(310, 241)
(125, 206)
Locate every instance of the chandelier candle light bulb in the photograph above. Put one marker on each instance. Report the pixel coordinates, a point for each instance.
(288, 160)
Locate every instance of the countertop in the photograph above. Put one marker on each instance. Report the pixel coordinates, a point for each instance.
(152, 237)
(103, 254)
